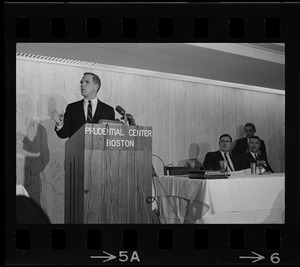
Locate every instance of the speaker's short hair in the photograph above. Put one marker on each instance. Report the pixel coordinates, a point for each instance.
(96, 79)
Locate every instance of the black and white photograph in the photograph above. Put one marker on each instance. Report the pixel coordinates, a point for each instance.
(150, 133)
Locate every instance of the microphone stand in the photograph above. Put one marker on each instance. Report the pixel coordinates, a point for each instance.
(125, 119)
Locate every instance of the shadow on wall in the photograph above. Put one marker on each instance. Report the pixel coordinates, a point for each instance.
(32, 148)
(239, 132)
(204, 148)
(40, 153)
(52, 196)
(192, 161)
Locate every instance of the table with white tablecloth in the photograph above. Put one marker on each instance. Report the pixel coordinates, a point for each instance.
(241, 199)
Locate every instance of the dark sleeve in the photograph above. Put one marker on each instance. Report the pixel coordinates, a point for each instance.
(234, 149)
(269, 169)
(237, 149)
(106, 112)
(263, 149)
(64, 132)
(111, 114)
(244, 162)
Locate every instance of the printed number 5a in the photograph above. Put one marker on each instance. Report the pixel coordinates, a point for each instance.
(275, 258)
(123, 257)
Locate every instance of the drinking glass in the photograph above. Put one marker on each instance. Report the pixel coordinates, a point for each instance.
(261, 164)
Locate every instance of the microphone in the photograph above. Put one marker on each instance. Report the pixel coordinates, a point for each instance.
(131, 120)
(120, 110)
(128, 118)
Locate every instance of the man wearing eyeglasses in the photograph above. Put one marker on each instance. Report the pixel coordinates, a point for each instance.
(212, 159)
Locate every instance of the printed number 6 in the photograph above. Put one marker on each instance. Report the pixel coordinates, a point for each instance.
(274, 258)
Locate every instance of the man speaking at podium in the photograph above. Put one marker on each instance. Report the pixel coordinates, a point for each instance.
(88, 110)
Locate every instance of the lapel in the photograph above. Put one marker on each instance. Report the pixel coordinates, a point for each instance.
(251, 158)
(97, 114)
(220, 155)
(223, 158)
(232, 158)
(261, 157)
(246, 142)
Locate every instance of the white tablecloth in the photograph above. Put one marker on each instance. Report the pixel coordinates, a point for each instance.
(242, 199)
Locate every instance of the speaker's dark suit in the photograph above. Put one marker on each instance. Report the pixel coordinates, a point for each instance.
(247, 158)
(241, 147)
(74, 117)
(211, 161)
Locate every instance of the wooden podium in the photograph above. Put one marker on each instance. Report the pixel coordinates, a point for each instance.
(108, 174)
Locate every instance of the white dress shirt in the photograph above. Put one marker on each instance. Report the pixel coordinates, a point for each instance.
(253, 155)
(94, 106)
(229, 159)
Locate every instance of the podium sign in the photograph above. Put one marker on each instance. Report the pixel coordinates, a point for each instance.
(108, 174)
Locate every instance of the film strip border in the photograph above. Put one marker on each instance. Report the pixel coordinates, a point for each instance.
(177, 244)
(134, 244)
(130, 28)
(151, 22)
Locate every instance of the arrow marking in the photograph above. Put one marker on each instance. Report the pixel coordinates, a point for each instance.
(257, 257)
(109, 257)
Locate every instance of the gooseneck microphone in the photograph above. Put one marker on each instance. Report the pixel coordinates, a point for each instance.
(131, 120)
(120, 110)
(127, 117)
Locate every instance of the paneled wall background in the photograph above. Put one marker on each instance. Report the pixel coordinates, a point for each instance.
(187, 119)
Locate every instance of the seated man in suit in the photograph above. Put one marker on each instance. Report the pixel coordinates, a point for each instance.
(253, 155)
(88, 110)
(240, 146)
(212, 159)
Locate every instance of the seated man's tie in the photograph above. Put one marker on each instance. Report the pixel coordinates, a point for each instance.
(228, 162)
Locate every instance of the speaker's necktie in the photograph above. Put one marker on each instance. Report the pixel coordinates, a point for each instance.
(228, 162)
(90, 112)
(256, 157)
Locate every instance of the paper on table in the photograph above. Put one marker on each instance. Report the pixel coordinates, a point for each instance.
(239, 173)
